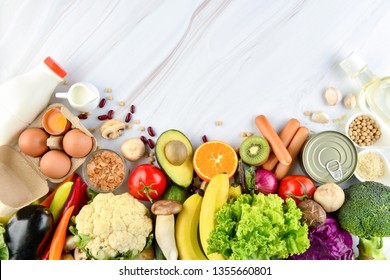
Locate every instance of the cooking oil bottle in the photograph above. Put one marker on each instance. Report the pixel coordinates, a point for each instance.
(374, 97)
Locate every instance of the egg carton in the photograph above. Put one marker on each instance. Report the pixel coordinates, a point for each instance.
(22, 181)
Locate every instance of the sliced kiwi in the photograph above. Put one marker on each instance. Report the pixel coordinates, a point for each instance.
(254, 150)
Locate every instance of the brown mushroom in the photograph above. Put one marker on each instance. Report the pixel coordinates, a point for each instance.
(112, 129)
(165, 226)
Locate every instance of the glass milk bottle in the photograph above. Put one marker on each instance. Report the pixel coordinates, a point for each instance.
(25, 96)
(374, 97)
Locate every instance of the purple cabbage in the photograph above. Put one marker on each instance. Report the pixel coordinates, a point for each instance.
(328, 242)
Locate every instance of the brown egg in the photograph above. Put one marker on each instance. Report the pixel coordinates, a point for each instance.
(32, 141)
(76, 143)
(55, 164)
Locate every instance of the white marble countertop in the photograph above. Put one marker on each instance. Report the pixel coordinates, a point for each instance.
(187, 64)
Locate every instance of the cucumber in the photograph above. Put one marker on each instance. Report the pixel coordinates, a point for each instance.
(175, 192)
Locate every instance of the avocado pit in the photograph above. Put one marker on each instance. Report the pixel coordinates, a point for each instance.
(176, 152)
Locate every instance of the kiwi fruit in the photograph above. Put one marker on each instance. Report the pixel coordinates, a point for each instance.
(254, 150)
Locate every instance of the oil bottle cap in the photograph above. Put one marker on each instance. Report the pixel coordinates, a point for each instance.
(55, 67)
(353, 65)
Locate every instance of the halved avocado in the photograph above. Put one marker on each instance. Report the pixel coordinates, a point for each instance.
(180, 174)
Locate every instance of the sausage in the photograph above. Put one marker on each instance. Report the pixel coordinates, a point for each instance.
(286, 135)
(293, 148)
(273, 139)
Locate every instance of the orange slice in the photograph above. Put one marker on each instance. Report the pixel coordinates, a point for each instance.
(214, 157)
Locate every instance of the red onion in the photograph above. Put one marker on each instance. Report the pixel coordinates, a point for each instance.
(265, 181)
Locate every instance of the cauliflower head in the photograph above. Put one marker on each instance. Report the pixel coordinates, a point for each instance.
(113, 226)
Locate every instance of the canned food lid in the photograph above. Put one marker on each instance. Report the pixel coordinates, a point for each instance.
(329, 157)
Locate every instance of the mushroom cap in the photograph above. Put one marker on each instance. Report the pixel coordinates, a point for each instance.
(166, 207)
(111, 126)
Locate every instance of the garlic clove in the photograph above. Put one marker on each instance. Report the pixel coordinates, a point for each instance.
(320, 117)
(350, 101)
(332, 96)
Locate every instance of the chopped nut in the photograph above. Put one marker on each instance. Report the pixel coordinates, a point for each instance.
(307, 113)
(218, 123)
(108, 90)
(128, 126)
(332, 96)
(109, 97)
(136, 121)
(92, 129)
(65, 82)
(121, 103)
(243, 134)
(105, 170)
(141, 128)
(248, 134)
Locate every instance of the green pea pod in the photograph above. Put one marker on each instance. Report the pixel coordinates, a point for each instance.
(60, 199)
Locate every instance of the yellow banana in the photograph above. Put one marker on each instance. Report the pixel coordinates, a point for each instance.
(187, 222)
(215, 196)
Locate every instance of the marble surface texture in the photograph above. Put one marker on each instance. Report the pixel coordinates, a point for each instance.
(187, 64)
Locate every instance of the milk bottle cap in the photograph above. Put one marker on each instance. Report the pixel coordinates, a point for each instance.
(55, 67)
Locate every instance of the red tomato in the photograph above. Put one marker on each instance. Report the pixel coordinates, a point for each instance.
(298, 187)
(147, 182)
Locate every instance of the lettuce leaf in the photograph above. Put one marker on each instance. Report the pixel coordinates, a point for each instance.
(4, 253)
(259, 227)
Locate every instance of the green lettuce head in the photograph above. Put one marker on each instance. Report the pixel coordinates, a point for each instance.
(259, 227)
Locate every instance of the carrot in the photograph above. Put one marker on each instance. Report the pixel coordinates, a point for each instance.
(58, 241)
(286, 135)
(273, 139)
(293, 148)
(47, 201)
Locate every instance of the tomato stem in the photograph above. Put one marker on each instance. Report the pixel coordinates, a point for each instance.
(146, 189)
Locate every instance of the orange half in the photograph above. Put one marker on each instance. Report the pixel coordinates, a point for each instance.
(214, 157)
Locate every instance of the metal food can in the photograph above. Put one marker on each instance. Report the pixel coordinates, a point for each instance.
(329, 157)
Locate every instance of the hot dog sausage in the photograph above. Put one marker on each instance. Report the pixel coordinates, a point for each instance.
(286, 135)
(293, 148)
(273, 139)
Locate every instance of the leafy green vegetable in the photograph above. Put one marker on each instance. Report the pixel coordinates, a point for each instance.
(4, 253)
(259, 227)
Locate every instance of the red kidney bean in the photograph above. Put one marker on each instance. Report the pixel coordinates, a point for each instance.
(83, 116)
(110, 114)
(102, 103)
(128, 117)
(143, 139)
(151, 143)
(102, 117)
(151, 131)
(204, 138)
(132, 109)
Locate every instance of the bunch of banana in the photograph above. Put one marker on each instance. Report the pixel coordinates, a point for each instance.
(215, 196)
(187, 222)
(200, 212)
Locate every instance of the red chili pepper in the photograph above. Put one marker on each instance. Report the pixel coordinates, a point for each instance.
(76, 195)
(45, 255)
